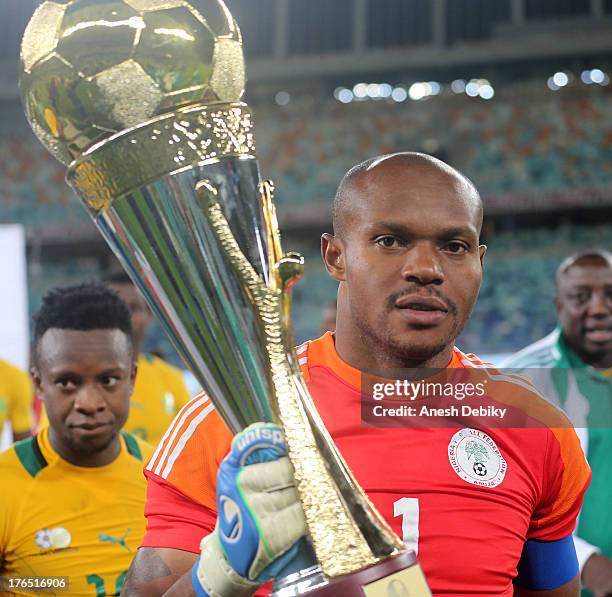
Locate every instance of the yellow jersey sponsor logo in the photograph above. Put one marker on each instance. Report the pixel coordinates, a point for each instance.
(119, 541)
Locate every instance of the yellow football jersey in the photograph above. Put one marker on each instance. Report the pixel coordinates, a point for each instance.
(16, 396)
(159, 393)
(62, 520)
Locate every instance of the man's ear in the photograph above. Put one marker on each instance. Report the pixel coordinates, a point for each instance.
(36, 380)
(332, 251)
(482, 250)
(133, 373)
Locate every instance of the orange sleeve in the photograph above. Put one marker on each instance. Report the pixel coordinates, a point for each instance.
(566, 477)
(173, 520)
(189, 454)
(565, 474)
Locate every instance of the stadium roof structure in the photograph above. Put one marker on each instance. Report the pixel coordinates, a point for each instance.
(286, 39)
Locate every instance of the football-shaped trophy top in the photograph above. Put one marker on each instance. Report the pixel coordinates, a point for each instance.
(93, 68)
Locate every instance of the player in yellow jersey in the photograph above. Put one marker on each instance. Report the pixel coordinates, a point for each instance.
(73, 496)
(16, 396)
(160, 391)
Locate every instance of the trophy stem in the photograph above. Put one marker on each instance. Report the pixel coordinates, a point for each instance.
(338, 543)
(377, 532)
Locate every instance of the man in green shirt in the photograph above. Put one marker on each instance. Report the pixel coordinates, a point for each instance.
(572, 367)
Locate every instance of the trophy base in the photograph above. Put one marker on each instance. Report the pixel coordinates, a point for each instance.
(396, 576)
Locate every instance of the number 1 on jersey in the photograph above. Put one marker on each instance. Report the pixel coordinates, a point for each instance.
(98, 583)
(408, 509)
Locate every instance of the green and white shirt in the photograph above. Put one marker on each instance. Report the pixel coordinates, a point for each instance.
(585, 394)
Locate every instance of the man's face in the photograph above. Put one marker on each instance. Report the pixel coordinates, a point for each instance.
(411, 260)
(86, 379)
(584, 307)
(141, 315)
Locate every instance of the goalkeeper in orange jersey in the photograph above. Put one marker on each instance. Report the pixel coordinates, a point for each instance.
(406, 251)
(72, 499)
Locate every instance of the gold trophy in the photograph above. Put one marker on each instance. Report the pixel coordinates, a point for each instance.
(140, 99)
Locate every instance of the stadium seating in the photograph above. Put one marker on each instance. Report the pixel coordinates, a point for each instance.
(528, 139)
(515, 306)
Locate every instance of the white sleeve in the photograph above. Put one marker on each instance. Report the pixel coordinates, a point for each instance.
(584, 551)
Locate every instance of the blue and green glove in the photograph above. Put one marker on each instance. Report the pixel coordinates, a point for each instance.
(259, 521)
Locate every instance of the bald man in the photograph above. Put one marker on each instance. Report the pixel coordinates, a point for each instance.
(407, 255)
(573, 367)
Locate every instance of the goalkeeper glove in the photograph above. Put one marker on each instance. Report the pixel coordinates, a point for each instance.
(259, 519)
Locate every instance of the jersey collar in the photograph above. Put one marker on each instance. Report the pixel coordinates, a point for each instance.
(573, 361)
(322, 352)
(52, 457)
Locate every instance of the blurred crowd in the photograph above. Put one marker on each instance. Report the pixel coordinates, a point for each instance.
(528, 139)
(529, 147)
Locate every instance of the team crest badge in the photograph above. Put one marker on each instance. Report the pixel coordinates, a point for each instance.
(476, 458)
(55, 538)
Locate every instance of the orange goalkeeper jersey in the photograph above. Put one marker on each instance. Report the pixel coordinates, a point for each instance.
(465, 498)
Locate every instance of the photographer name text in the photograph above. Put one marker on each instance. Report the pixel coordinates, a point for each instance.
(428, 411)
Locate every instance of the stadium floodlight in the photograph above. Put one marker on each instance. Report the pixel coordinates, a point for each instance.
(458, 86)
(345, 96)
(282, 98)
(597, 76)
(486, 92)
(552, 85)
(399, 94)
(472, 89)
(560, 79)
(435, 87)
(385, 90)
(418, 91)
(360, 91)
(373, 91)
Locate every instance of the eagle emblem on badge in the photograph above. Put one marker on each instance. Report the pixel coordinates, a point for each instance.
(475, 457)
